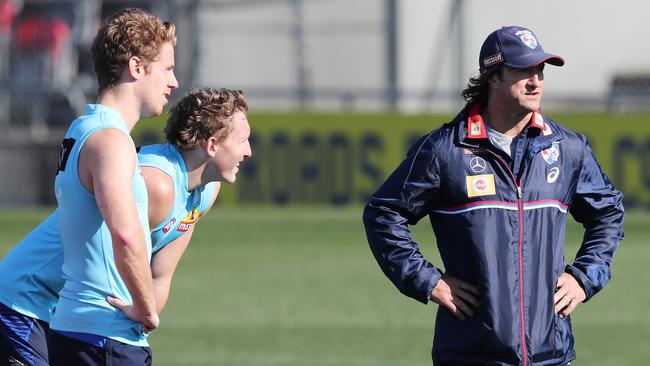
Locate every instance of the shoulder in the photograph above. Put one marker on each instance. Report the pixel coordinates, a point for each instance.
(568, 135)
(160, 157)
(161, 193)
(153, 154)
(557, 127)
(160, 185)
(573, 145)
(109, 136)
(109, 144)
(437, 141)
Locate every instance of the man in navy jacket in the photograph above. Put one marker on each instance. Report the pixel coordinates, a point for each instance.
(497, 183)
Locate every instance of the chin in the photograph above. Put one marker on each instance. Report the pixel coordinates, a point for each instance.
(152, 113)
(158, 112)
(530, 107)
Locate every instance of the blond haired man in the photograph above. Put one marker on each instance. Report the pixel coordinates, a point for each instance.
(102, 198)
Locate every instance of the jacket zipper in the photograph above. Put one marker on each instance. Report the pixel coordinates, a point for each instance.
(520, 207)
(521, 269)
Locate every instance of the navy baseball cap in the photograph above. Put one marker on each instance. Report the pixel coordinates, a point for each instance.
(515, 47)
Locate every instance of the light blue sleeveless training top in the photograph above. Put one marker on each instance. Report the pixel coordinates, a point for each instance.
(188, 206)
(89, 268)
(30, 274)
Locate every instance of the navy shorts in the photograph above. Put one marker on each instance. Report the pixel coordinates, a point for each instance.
(23, 339)
(67, 351)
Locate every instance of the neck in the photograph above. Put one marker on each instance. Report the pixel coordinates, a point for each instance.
(508, 122)
(196, 164)
(121, 99)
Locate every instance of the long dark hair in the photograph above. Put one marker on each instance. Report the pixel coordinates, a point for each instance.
(478, 88)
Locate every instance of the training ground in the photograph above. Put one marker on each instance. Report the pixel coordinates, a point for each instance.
(299, 287)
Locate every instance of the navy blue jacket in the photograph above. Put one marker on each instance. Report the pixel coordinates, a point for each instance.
(500, 225)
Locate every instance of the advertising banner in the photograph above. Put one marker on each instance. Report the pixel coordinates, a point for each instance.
(340, 159)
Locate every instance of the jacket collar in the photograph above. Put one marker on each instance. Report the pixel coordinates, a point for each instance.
(476, 128)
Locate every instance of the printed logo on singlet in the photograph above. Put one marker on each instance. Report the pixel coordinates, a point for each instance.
(169, 225)
(189, 220)
(64, 153)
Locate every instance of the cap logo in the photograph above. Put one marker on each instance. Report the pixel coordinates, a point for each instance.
(494, 59)
(527, 38)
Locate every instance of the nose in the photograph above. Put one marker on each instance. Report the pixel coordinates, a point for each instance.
(538, 75)
(173, 83)
(535, 80)
(248, 152)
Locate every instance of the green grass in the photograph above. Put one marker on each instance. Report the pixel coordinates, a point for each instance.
(299, 286)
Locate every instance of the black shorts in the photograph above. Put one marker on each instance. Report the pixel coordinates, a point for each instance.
(23, 339)
(66, 351)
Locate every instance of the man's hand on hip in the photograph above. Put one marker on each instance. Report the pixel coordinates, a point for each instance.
(149, 321)
(568, 294)
(456, 295)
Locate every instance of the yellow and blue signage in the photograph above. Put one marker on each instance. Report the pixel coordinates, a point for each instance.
(340, 159)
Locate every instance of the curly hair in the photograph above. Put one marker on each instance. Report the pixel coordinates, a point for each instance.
(478, 88)
(203, 113)
(127, 33)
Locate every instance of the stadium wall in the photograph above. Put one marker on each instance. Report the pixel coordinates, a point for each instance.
(340, 159)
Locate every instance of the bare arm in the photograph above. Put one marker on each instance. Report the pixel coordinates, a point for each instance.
(106, 167)
(160, 189)
(163, 266)
(165, 261)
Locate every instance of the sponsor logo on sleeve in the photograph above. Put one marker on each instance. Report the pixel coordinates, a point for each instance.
(480, 185)
(189, 220)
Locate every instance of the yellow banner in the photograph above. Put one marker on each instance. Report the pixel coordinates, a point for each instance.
(341, 159)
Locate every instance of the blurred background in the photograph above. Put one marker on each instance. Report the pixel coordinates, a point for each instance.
(399, 63)
(338, 89)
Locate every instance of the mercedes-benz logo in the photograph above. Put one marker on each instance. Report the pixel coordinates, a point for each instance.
(477, 164)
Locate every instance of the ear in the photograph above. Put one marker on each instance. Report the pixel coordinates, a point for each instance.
(494, 80)
(136, 67)
(211, 146)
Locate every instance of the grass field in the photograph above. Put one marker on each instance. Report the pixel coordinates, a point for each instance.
(299, 287)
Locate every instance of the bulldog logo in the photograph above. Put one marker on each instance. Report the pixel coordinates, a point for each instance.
(552, 154)
(527, 38)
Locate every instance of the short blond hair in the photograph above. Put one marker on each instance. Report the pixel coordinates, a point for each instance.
(127, 33)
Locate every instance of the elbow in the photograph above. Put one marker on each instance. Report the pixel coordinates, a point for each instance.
(127, 237)
(368, 214)
(371, 218)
